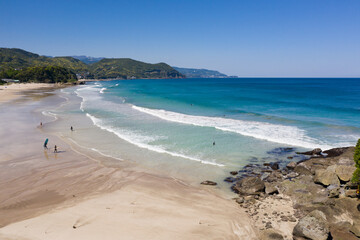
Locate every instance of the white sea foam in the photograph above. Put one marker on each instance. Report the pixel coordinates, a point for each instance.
(50, 114)
(290, 135)
(142, 141)
(102, 90)
(86, 93)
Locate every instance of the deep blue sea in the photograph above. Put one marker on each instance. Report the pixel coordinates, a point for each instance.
(225, 123)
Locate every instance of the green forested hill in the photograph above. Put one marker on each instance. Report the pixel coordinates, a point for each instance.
(12, 59)
(49, 74)
(19, 59)
(126, 68)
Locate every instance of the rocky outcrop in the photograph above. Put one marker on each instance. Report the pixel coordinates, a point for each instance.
(250, 186)
(312, 226)
(319, 188)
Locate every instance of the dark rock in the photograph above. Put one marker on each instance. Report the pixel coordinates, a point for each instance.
(335, 152)
(291, 165)
(316, 151)
(268, 225)
(274, 166)
(230, 179)
(290, 157)
(233, 172)
(312, 226)
(250, 185)
(358, 207)
(207, 182)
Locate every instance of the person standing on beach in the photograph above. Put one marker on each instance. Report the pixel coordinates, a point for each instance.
(55, 149)
(45, 143)
(71, 128)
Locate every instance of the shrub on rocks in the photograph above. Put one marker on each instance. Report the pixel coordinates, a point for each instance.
(356, 175)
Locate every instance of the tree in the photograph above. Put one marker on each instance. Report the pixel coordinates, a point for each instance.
(356, 175)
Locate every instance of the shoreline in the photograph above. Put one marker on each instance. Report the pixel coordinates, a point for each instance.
(69, 189)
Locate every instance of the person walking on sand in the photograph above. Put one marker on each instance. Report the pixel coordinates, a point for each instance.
(55, 149)
(71, 128)
(45, 143)
(214, 143)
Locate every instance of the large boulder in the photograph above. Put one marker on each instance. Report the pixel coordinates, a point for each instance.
(326, 177)
(250, 186)
(270, 188)
(312, 226)
(344, 172)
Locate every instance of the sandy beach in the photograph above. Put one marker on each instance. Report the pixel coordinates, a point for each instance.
(70, 195)
(12, 91)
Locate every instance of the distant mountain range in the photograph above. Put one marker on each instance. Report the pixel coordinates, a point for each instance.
(188, 72)
(84, 67)
(200, 73)
(87, 59)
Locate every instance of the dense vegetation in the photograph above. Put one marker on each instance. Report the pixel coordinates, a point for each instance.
(200, 73)
(49, 74)
(13, 61)
(356, 175)
(126, 68)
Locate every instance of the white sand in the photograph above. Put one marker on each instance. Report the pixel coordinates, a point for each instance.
(43, 195)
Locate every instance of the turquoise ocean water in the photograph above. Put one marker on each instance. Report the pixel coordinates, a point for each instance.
(173, 123)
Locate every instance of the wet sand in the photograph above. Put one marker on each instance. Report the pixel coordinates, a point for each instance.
(69, 195)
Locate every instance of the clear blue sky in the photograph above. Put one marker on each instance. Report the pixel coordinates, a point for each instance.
(298, 38)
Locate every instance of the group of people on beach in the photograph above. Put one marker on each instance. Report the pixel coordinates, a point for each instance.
(47, 140)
